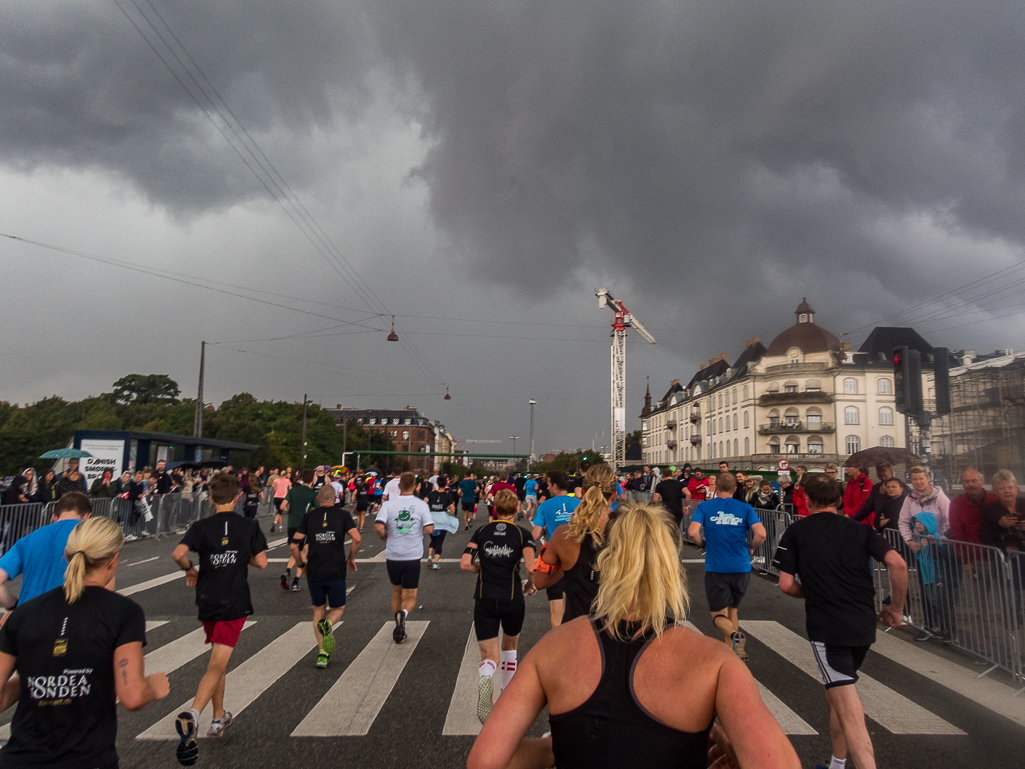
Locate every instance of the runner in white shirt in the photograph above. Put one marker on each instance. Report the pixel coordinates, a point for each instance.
(391, 489)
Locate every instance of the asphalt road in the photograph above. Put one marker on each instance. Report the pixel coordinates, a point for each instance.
(917, 689)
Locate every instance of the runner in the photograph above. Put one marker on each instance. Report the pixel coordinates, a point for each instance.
(439, 501)
(672, 495)
(402, 523)
(251, 503)
(573, 549)
(469, 488)
(227, 545)
(300, 500)
(391, 488)
(80, 633)
(39, 557)
(832, 556)
(322, 532)
(551, 514)
(494, 554)
(630, 687)
(728, 556)
(362, 501)
(281, 486)
(530, 491)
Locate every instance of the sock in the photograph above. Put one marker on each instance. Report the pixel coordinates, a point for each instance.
(508, 668)
(405, 613)
(288, 574)
(195, 714)
(486, 668)
(837, 763)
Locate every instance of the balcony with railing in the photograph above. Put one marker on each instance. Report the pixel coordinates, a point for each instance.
(671, 423)
(814, 396)
(695, 415)
(671, 442)
(695, 439)
(780, 428)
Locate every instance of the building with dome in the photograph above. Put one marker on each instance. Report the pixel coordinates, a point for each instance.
(806, 397)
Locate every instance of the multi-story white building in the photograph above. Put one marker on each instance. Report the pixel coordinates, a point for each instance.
(805, 397)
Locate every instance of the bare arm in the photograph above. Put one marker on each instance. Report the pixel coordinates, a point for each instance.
(11, 687)
(694, 532)
(758, 530)
(789, 585)
(892, 615)
(356, 540)
(551, 556)
(382, 531)
(429, 528)
(181, 557)
(6, 599)
(466, 562)
(135, 689)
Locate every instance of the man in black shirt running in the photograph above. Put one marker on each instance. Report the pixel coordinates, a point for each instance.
(494, 555)
(440, 501)
(322, 533)
(831, 554)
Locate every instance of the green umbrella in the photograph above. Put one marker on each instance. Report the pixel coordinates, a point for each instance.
(65, 454)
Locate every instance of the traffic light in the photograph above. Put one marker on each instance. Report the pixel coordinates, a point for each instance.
(907, 380)
(941, 367)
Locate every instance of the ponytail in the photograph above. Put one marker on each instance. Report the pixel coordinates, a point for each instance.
(91, 544)
(599, 486)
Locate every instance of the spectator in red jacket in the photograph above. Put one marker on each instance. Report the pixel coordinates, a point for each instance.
(859, 487)
(698, 486)
(966, 514)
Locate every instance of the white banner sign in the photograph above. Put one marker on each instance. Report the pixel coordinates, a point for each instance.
(619, 419)
(106, 455)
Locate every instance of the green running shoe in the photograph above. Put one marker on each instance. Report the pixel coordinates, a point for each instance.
(324, 627)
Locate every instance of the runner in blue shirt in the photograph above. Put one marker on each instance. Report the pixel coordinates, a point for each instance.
(530, 488)
(551, 514)
(727, 555)
(468, 486)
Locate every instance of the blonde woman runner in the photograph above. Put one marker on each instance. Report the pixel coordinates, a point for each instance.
(77, 650)
(628, 686)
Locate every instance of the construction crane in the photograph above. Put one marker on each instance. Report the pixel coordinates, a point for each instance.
(622, 320)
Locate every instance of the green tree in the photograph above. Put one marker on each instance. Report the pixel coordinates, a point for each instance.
(146, 388)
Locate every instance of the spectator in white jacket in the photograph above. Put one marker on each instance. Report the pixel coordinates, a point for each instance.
(924, 498)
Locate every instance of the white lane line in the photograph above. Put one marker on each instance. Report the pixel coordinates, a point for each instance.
(986, 692)
(692, 560)
(246, 682)
(277, 543)
(154, 624)
(351, 705)
(788, 720)
(462, 708)
(181, 651)
(145, 560)
(892, 711)
(151, 583)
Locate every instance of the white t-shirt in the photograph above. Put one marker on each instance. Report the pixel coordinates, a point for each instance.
(339, 490)
(391, 489)
(434, 481)
(404, 519)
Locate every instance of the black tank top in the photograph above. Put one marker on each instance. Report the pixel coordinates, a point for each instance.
(581, 582)
(612, 730)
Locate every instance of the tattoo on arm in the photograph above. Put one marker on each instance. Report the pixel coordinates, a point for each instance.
(123, 666)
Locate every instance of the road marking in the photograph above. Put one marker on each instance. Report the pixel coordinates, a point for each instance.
(181, 651)
(276, 543)
(986, 692)
(151, 583)
(351, 705)
(145, 560)
(892, 711)
(788, 720)
(154, 624)
(462, 708)
(692, 560)
(246, 682)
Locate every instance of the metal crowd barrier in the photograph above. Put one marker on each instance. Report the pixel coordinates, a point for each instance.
(775, 523)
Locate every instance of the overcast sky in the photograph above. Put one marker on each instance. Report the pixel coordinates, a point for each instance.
(495, 163)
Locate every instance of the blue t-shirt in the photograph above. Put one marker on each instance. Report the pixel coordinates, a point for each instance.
(530, 487)
(554, 512)
(726, 523)
(469, 489)
(40, 557)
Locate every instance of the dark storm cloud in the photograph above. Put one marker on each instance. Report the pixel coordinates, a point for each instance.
(669, 142)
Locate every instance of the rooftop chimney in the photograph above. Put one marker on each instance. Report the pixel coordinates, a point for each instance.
(969, 358)
(674, 383)
(722, 355)
(702, 366)
(339, 407)
(711, 361)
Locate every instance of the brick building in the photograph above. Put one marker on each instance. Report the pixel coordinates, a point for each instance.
(408, 429)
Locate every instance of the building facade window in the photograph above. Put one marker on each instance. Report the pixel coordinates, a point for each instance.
(850, 386)
(814, 420)
(850, 415)
(885, 387)
(747, 421)
(793, 446)
(853, 444)
(373, 421)
(887, 441)
(736, 447)
(745, 392)
(405, 435)
(735, 422)
(886, 415)
(815, 446)
(720, 424)
(734, 396)
(747, 445)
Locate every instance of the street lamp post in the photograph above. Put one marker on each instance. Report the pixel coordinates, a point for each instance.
(513, 439)
(531, 457)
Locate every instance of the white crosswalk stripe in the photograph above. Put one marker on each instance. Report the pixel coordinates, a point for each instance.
(181, 651)
(891, 710)
(248, 681)
(461, 718)
(353, 702)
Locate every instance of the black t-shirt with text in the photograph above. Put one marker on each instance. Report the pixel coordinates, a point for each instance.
(500, 546)
(830, 553)
(252, 498)
(672, 496)
(438, 501)
(225, 542)
(324, 529)
(67, 714)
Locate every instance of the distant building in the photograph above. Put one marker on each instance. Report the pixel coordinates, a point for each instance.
(409, 430)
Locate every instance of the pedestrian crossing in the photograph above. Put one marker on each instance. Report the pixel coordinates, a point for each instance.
(352, 704)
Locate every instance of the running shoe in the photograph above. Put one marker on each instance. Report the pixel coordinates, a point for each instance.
(295, 585)
(284, 581)
(925, 635)
(322, 659)
(399, 633)
(218, 725)
(273, 528)
(324, 627)
(485, 689)
(466, 527)
(188, 748)
(738, 641)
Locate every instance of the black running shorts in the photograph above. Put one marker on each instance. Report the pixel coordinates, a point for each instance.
(838, 665)
(291, 538)
(557, 592)
(404, 573)
(489, 614)
(725, 591)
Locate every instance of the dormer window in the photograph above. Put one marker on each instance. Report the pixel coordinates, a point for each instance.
(802, 318)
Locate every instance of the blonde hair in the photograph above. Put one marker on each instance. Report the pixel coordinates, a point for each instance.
(1003, 476)
(599, 486)
(91, 544)
(506, 504)
(641, 576)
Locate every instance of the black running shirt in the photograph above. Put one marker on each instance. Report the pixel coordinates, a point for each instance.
(438, 501)
(324, 529)
(500, 546)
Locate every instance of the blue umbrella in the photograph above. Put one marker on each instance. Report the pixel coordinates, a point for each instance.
(65, 454)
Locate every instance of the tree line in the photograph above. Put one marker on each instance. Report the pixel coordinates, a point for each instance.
(152, 402)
